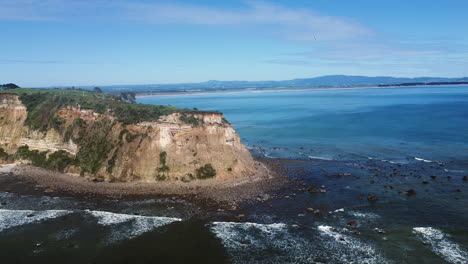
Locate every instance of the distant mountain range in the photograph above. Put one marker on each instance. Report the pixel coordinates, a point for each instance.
(328, 81)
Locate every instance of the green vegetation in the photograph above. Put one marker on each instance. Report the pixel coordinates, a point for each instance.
(95, 146)
(205, 172)
(189, 119)
(9, 86)
(58, 160)
(43, 104)
(131, 137)
(164, 168)
(4, 155)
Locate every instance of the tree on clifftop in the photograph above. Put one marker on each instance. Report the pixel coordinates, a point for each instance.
(9, 86)
(97, 90)
(128, 97)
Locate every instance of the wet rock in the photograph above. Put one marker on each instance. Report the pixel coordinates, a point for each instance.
(449, 178)
(372, 198)
(245, 242)
(410, 192)
(3, 203)
(353, 223)
(433, 177)
(49, 190)
(30, 215)
(425, 182)
(313, 190)
(458, 190)
(465, 178)
(317, 212)
(240, 217)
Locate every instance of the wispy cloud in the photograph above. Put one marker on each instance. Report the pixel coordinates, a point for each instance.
(365, 51)
(3, 61)
(293, 23)
(297, 24)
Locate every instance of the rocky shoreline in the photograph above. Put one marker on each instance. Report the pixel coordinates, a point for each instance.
(25, 179)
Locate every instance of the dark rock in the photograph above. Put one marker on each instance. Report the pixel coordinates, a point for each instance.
(465, 178)
(449, 177)
(433, 177)
(353, 223)
(240, 217)
(30, 215)
(313, 190)
(245, 242)
(458, 190)
(410, 192)
(425, 182)
(372, 198)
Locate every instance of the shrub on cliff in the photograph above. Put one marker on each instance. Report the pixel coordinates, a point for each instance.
(58, 160)
(4, 155)
(189, 119)
(95, 146)
(205, 172)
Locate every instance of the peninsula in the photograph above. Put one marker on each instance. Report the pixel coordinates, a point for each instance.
(104, 139)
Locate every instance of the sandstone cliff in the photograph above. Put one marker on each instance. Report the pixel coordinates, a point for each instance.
(181, 146)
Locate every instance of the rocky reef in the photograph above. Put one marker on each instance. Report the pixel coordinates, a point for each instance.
(104, 139)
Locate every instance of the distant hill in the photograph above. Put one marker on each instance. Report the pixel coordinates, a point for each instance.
(328, 81)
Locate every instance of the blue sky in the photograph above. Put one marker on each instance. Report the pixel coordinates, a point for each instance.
(103, 42)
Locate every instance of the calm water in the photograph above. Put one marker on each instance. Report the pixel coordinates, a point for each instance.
(395, 124)
(352, 142)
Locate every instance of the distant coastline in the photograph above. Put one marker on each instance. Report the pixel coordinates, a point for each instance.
(270, 90)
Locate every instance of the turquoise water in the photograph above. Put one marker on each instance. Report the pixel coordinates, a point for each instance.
(396, 124)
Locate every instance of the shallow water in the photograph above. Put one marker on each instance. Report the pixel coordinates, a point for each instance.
(383, 142)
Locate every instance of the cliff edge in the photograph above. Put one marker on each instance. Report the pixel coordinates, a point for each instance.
(104, 139)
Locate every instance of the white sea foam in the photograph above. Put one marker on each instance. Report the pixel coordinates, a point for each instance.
(134, 226)
(441, 245)
(427, 161)
(363, 214)
(12, 218)
(339, 210)
(459, 171)
(249, 242)
(281, 243)
(235, 234)
(389, 161)
(347, 249)
(315, 157)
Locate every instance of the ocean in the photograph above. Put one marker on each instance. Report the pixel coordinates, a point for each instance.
(405, 147)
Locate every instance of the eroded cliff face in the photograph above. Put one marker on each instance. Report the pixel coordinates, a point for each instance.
(170, 149)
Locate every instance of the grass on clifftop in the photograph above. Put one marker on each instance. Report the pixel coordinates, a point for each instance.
(43, 104)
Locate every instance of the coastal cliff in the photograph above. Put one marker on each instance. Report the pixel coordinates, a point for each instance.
(107, 140)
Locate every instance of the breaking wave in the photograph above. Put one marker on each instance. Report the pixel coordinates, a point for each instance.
(441, 245)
